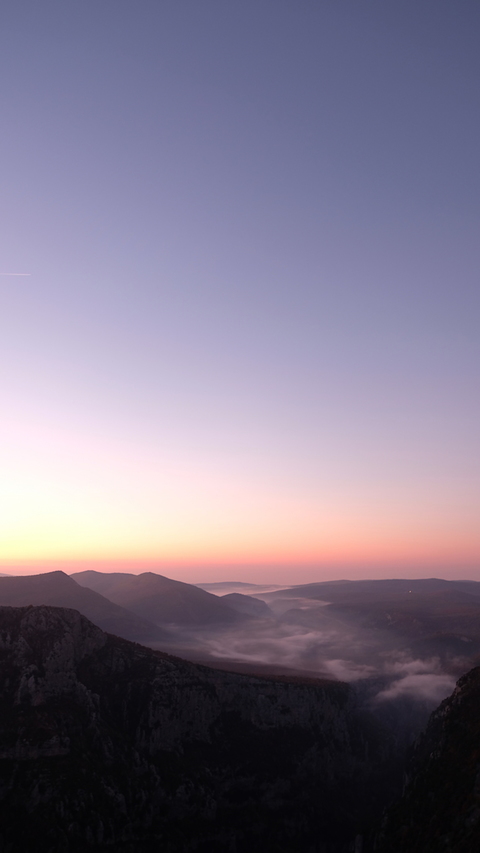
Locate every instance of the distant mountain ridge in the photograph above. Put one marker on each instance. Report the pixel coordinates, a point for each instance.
(160, 599)
(247, 604)
(384, 589)
(58, 589)
(224, 584)
(431, 620)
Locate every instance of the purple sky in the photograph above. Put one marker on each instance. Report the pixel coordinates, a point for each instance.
(251, 329)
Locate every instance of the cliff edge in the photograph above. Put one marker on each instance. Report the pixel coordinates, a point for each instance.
(107, 745)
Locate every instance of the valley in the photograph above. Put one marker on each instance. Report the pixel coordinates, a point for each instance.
(283, 713)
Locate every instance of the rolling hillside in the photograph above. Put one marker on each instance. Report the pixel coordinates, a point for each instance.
(58, 589)
(160, 599)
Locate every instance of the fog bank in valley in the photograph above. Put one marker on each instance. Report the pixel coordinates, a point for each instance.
(403, 644)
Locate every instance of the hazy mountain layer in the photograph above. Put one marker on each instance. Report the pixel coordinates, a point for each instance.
(402, 642)
(390, 589)
(106, 745)
(247, 604)
(58, 589)
(160, 599)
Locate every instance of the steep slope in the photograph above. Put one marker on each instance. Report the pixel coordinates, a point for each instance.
(160, 599)
(57, 588)
(440, 807)
(106, 745)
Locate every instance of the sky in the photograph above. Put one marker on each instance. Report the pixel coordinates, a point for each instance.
(247, 346)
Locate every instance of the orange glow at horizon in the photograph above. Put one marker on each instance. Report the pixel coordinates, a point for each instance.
(77, 499)
(248, 345)
(281, 562)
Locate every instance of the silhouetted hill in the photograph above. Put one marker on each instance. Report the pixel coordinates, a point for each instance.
(247, 604)
(437, 610)
(224, 587)
(440, 808)
(221, 585)
(160, 599)
(57, 588)
(106, 745)
(376, 590)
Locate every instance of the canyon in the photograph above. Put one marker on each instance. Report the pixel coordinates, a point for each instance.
(252, 720)
(108, 745)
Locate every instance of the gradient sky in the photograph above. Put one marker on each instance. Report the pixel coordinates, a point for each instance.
(248, 346)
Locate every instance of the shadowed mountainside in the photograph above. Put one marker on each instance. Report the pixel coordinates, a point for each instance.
(160, 599)
(108, 745)
(58, 589)
(403, 642)
(440, 807)
(390, 589)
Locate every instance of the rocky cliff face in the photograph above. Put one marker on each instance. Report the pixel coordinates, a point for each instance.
(106, 745)
(440, 807)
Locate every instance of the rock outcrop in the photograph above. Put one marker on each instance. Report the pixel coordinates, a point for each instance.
(109, 746)
(440, 806)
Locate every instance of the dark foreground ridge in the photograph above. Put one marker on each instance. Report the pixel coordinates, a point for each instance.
(440, 807)
(109, 746)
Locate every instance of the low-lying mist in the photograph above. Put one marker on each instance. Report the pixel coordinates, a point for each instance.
(402, 660)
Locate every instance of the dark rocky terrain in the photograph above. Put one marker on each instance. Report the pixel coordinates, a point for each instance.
(440, 807)
(106, 745)
(401, 643)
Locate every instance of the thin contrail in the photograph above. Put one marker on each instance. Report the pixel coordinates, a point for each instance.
(15, 273)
